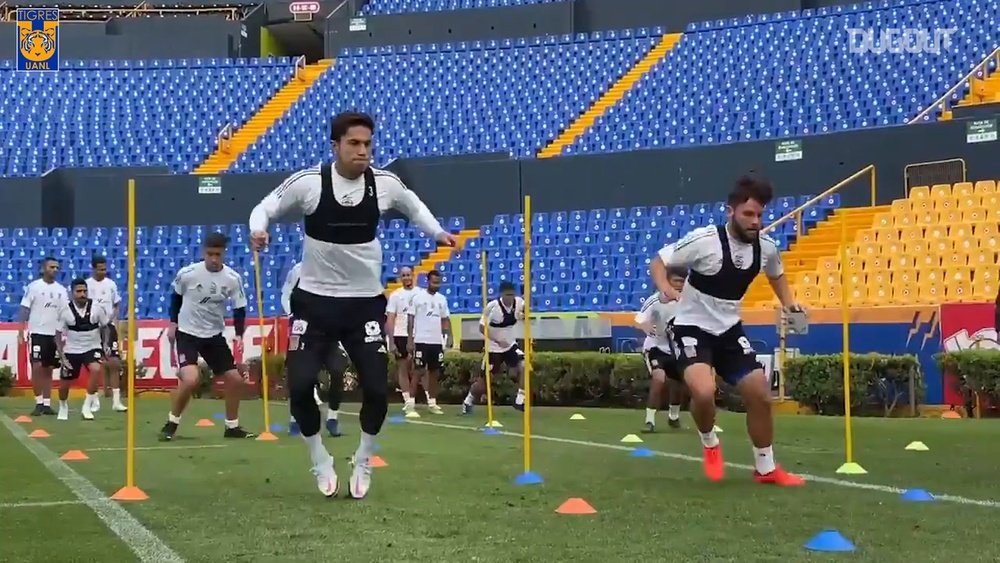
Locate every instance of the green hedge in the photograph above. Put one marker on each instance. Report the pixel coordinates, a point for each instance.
(6, 380)
(879, 382)
(977, 371)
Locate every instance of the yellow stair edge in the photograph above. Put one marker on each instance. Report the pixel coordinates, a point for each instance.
(612, 96)
(228, 152)
(441, 254)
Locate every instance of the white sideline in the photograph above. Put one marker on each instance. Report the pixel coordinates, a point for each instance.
(813, 478)
(144, 543)
(147, 448)
(41, 504)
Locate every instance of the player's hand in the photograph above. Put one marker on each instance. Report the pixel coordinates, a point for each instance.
(22, 336)
(410, 346)
(172, 333)
(795, 308)
(238, 346)
(259, 240)
(446, 239)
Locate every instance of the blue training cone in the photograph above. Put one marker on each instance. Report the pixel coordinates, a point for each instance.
(219, 416)
(641, 452)
(829, 540)
(490, 431)
(917, 495)
(397, 419)
(528, 478)
(275, 427)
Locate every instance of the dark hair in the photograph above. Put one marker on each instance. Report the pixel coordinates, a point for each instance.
(216, 240)
(506, 286)
(345, 120)
(97, 259)
(48, 259)
(751, 187)
(78, 281)
(434, 273)
(677, 271)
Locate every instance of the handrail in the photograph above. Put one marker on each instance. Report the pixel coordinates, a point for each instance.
(335, 10)
(797, 212)
(223, 138)
(300, 67)
(942, 102)
(231, 13)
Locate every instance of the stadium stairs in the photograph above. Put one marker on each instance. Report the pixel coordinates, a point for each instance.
(805, 253)
(227, 153)
(612, 96)
(441, 254)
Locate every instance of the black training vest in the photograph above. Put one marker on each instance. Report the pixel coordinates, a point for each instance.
(509, 318)
(82, 323)
(731, 283)
(340, 224)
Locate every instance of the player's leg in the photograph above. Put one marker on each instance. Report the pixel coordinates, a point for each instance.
(514, 360)
(418, 374)
(657, 381)
(113, 365)
(696, 349)
(478, 386)
(404, 370)
(433, 373)
(95, 375)
(220, 360)
(69, 372)
(675, 391)
(43, 360)
(336, 366)
(186, 348)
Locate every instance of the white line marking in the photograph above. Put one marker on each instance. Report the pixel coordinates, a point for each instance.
(144, 543)
(42, 504)
(147, 448)
(814, 478)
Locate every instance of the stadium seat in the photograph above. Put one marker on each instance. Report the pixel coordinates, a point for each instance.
(382, 7)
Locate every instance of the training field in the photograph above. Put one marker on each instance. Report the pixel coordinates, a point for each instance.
(446, 493)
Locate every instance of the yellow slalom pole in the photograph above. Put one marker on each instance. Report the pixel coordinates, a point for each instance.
(130, 492)
(528, 477)
(486, 347)
(266, 435)
(849, 467)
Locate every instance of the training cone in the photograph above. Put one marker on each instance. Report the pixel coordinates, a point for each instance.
(38, 434)
(277, 427)
(717, 430)
(413, 414)
(829, 540)
(219, 416)
(917, 495)
(23, 419)
(641, 452)
(204, 423)
(376, 461)
(851, 469)
(631, 439)
(950, 414)
(575, 505)
(528, 478)
(494, 424)
(917, 447)
(490, 431)
(74, 455)
(130, 494)
(266, 437)
(396, 419)
(577, 416)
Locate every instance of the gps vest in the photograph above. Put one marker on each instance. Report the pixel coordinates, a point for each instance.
(339, 224)
(82, 323)
(509, 318)
(730, 283)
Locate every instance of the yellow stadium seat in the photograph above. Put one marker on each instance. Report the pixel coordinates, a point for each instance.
(982, 257)
(974, 215)
(869, 249)
(892, 248)
(883, 221)
(855, 263)
(971, 200)
(945, 204)
(905, 276)
(856, 278)
(922, 207)
(887, 234)
(962, 189)
(904, 294)
(993, 215)
(917, 247)
(939, 191)
(858, 295)
(907, 220)
(986, 187)
(807, 278)
(966, 245)
(920, 192)
(879, 295)
(988, 228)
(807, 294)
(951, 215)
(901, 207)
(911, 233)
(960, 291)
(961, 231)
(828, 279)
(866, 235)
(899, 260)
(877, 262)
(931, 292)
(941, 246)
(931, 276)
(829, 264)
(986, 274)
(935, 232)
(991, 201)
(958, 274)
(986, 291)
(991, 242)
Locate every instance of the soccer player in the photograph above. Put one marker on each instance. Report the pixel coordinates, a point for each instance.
(43, 299)
(197, 321)
(336, 364)
(723, 260)
(340, 296)
(396, 324)
(502, 314)
(658, 350)
(428, 328)
(83, 321)
(104, 291)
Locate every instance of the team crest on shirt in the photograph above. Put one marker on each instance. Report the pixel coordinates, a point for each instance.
(373, 332)
(738, 260)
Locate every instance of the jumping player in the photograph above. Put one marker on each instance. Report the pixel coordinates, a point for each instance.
(723, 260)
(659, 351)
(396, 324)
(502, 314)
(428, 329)
(43, 299)
(85, 324)
(104, 291)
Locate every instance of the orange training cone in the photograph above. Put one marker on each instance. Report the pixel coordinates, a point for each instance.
(38, 434)
(130, 494)
(376, 461)
(576, 505)
(266, 437)
(23, 419)
(74, 455)
(950, 414)
(205, 422)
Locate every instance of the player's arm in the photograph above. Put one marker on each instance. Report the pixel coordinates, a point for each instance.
(642, 320)
(299, 193)
(775, 272)
(116, 302)
(176, 301)
(410, 321)
(390, 320)
(682, 254)
(396, 195)
(487, 317)
(286, 290)
(445, 324)
(25, 312)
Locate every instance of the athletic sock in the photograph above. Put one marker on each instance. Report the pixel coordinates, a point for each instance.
(39, 400)
(469, 399)
(406, 397)
(709, 439)
(650, 416)
(428, 395)
(172, 418)
(317, 451)
(233, 423)
(47, 402)
(331, 414)
(365, 448)
(431, 402)
(91, 397)
(763, 460)
(116, 396)
(519, 400)
(674, 412)
(63, 405)
(291, 420)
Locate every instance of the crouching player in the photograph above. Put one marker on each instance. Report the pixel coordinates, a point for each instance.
(502, 314)
(659, 352)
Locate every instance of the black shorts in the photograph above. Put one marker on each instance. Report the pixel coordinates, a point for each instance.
(43, 350)
(111, 345)
(430, 356)
(509, 359)
(658, 359)
(77, 361)
(730, 353)
(399, 343)
(214, 350)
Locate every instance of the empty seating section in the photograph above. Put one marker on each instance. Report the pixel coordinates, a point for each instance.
(128, 113)
(382, 7)
(510, 96)
(793, 74)
(939, 245)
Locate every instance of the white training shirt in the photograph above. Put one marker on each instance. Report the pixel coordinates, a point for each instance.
(79, 342)
(203, 311)
(701, 251)
(399, 305)
(495, 312)
(427, 311)
(105, 294)
(286, 290)
(341, 270)
(44, 302)
(659, 314)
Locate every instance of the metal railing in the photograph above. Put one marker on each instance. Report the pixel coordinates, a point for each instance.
(942, 103)
(797, 212)
(139, 10)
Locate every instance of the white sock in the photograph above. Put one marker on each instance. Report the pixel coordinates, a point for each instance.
(469, 399)
(172, 418)
(428, 395)
(519, 400)
(331, 414)
(763, 460)
(63, 405)
(709, 439)
(651, 416)
(91, 397)
(116, 396)
(47, 402)
(365, 448)
(316, 396)
(232, 423)
(674, 412)
(431, 402)
(317, 451)
(406, 397)
(39, 400)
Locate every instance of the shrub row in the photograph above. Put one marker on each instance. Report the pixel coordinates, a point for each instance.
(977, 372)
(878, 382)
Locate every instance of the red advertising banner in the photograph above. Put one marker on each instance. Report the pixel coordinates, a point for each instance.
(152, 350)
(966, 326)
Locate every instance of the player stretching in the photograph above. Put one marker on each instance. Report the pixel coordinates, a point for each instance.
(84, 322)
(43, 299)
(659, 351)
(502, 314)
(428, 329)
(197, 321)
(104, 291)
(396, 324)
(723, 260)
